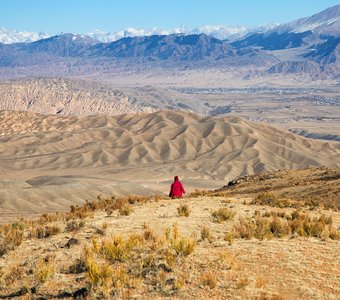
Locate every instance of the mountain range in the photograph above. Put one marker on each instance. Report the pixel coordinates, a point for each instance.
(10, 36)
(309, 45)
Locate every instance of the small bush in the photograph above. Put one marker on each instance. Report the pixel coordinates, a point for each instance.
(209, 279)
(119, 249)
(223, 214)
(98, 274)
(14, 275)
(229, 237)
(78, 267)
(44, 269)
(74, 225)
(183, 210)
(298, 223)
(125, 210)
(11, 238)
(206, 234)
(116, 265)
(199, 193)
(48, 218)
(271, 199)
(43, 232)
(149, 234)
(184, 246)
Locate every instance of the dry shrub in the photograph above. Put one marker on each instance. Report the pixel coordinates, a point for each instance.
(333, 233)
(206, 234)
(229, 237)
(43, 232)
(48, 218)
(209, 279)
(44, 269)
(74, 225)
(223, 214)
(183, 246)
(242, 283)
(227, 260)
(266, 296)
(260, 282)
(2, 274)
(297, 224)
(10, 238)
(133, 199)
(78, 267)
(183, 210)
(271, 199)
(279, 214)
(14, 275)
(125, 210)
(98, 274)
(199, 193)
(118, 249)
(149, 234)
(116, 265)
(82, 212)
(226, 201)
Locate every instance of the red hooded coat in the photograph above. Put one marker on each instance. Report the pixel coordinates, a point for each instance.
(176, 188)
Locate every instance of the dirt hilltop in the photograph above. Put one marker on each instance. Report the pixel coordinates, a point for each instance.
(234, 243)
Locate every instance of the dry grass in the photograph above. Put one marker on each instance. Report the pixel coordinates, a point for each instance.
(14, 275)
(298, 224)
(223, 214)
(206, 234)
(44, 269)
(209, 279)
(123, 264)
(118, 264)
(148, 233)
(314, 187)
(74, 225)
(125, 210)
(271, 199)
(43, 232)
(11, 237)
(199, 193)
(183, 210)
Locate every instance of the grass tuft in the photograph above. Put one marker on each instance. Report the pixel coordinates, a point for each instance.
(209, 279)
(223, 214)
(183, 210)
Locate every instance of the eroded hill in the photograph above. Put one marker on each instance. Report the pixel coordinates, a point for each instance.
(50, 162)
(65, 97)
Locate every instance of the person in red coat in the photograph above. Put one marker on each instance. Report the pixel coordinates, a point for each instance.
(177, 189)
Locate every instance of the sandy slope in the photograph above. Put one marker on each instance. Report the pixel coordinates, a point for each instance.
(57, 160)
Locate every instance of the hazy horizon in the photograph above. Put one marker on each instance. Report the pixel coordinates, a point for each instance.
(86, 16)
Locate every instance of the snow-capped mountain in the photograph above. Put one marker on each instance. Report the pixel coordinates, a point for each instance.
(325, 22)
(304, 32)
(9, 36)
(217, 31)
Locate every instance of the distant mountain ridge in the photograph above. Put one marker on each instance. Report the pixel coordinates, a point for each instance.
(10, 36)
(307, 31)
(70, 54)
(156, 50)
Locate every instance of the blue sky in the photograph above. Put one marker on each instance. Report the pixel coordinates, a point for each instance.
(79, 16)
